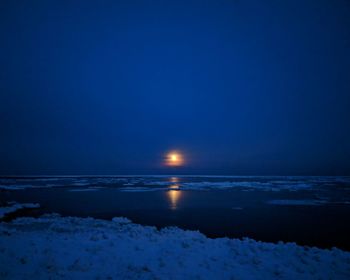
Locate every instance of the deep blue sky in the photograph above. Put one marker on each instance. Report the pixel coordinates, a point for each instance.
(242, 87)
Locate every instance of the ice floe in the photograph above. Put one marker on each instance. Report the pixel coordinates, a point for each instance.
(84, 190)
(296, 202)
(13, 207)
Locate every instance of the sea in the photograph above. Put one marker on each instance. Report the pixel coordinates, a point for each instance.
(310, 211)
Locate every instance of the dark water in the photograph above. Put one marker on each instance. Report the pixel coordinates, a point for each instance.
(310, 211)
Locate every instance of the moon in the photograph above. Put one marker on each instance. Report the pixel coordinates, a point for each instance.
(174, 158)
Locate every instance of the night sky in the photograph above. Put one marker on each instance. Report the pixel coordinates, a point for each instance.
(239, 87)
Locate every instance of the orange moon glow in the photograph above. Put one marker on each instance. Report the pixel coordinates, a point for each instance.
(174, 159)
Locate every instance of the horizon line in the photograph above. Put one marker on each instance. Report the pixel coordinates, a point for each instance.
(160, 175)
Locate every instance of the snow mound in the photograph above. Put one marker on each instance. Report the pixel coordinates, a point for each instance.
(13, 207)
(53, 247)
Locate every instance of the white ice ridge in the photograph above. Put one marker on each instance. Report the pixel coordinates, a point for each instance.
(13, 207)
(52, 247)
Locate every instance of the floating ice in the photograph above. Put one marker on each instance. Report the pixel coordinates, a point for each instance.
(202, 183)
(13, 207)
(296, 202)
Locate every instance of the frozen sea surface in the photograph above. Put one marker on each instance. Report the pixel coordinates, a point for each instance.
(311, 211)
(54, 247)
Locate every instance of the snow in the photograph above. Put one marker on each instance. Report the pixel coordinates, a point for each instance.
(53, 247)
(13, 207)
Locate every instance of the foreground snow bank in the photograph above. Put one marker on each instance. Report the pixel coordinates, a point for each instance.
(53, 247)
(13, 207)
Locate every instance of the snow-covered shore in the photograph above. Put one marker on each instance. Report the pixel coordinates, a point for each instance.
(53, 247)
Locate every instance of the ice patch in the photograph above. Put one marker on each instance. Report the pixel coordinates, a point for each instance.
(140, 189)
(82, 184)
(13, 207)
(15, 187)
(245, 183)
(297, 202)
(83, 190)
